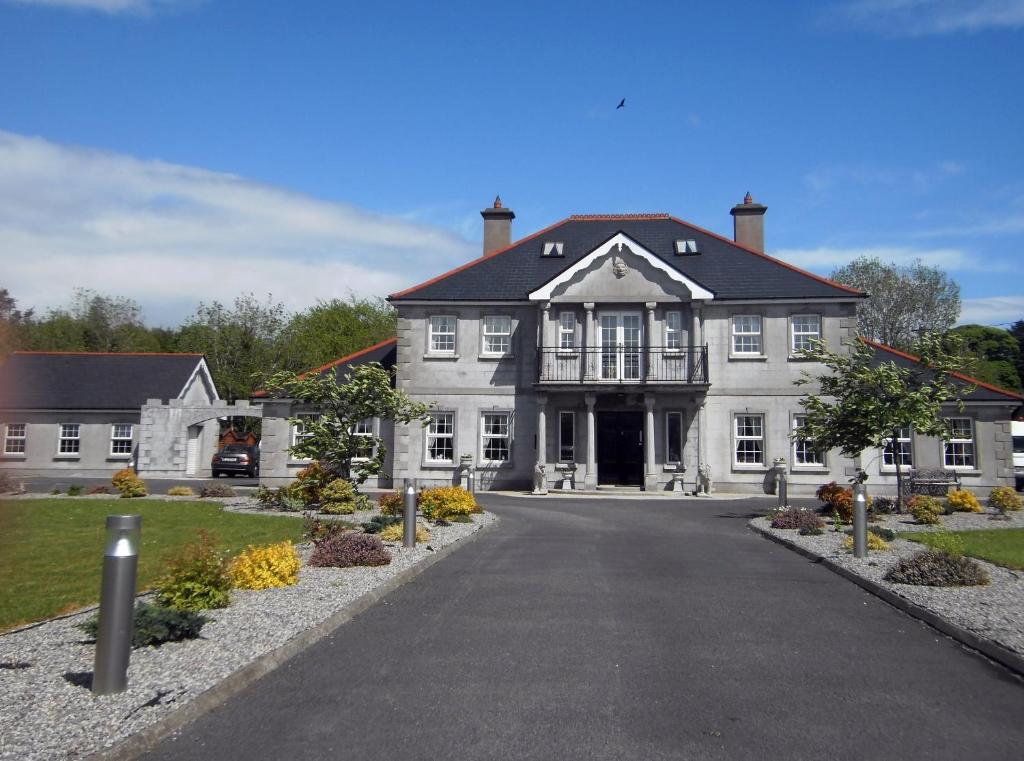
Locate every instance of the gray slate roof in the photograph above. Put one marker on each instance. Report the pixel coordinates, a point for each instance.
(728, 270)
(65, 381)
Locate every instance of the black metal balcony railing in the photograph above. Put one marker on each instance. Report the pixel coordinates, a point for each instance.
(639, 364)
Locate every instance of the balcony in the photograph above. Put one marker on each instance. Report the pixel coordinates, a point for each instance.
(623, 365)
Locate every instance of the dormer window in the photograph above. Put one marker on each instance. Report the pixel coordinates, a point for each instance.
(686, 247)
(553, 248)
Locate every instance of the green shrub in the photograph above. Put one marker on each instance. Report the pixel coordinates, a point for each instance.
(180, 491)
(443, 502)
(925, 509)
(378, 523)
(811, 531)
(338, 497)
(883, 505)
(197, 577)
(128, 483)
(310, 483)
(74, 491)
(886, 534)
(217, 490)
(317, 530)
(1004, 499)
(155, 625)
(938, 568)
(392, 503)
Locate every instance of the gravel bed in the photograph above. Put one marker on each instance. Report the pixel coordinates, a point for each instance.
(45, 715)
(994, 612)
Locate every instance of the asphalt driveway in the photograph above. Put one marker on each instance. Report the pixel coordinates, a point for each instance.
(623, 629)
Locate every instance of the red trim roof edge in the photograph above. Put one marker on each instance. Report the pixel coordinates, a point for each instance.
(114, 353)
(336, 362)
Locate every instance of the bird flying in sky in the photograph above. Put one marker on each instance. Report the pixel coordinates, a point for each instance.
(621, 104)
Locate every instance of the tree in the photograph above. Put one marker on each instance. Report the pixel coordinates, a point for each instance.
(336, 328)
(93, 322)
(863, 402)
(13, 323)
(366, 392)
(1017, 331)
(993, 354)
(904, 302)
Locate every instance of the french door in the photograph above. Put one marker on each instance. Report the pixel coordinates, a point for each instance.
(621, 343)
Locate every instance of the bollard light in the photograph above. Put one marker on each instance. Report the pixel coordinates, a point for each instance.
(409, 514)
(860, 520)
(117, 604)
(472, 481)
(783, 490)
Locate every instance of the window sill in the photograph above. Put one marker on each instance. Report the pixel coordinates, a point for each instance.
(568, 354)
(748, 357)
(438, 466)
(13, 456)
(495, 357)
(119, 458)
(494, 464)
(795, 358)
(750, 468)
(440, 357)
(67, 457)
(964, 471)
(812, 469)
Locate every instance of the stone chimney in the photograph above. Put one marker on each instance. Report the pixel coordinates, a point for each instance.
(497, 226)
(748, 223)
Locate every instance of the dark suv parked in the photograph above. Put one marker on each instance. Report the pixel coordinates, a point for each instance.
(237, 458)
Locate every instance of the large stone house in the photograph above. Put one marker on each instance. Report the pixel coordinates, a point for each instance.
(632, 350)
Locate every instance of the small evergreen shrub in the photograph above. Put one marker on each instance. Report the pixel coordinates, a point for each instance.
(154, 625)
(217, 490)
(180, 491)
(378, 523)
(101, 489)
(350, 549)
(338, 497)
(811, 531)
(393, 503)
(128, 483)
(74, 490)
(396, 533)
(310, 483)
(926, 509)
(197, 577)
(963, 501)
(884, 533)
(444, 502)
(265, 567)
(282, 498)
(1004, 499)
(875, 542)
(884, 506)
(938, 568)
(796, 518)
(316, 530)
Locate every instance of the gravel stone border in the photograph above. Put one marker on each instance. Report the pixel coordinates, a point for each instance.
(46, 712)
(988, 618)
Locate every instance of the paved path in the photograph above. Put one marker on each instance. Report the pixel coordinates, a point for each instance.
(623, 629)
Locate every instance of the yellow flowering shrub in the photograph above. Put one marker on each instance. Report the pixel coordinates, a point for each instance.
(266, 566)
(128, 483)
(396, 532)
(925, 509)
(180, 491)
(963, 501)
(443, 502)
(875, 542)
(1004, 498)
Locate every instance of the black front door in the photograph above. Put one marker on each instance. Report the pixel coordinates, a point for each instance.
(620, 448)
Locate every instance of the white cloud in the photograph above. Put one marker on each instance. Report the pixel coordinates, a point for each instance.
(822, 179)
(825, 258)
(994, 310)
(170, 236)
(917, 18)
(112, 6)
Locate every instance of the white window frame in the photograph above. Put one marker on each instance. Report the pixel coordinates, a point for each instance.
(298, 429)
(430, 433)
(562, 445)
(18, 438)
(69, 435)
(955, 441)
(673, 333)
(802, 448)
(901, 440)
(668, 437)
(814, 335)
(434, 333)
(735, 334)
(738, 437)
(567, 333)
(364, 429)
(486, 436)
(118, 437)
(489, 334)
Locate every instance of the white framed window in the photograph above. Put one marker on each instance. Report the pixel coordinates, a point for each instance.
(673, 437)
(442, 334)
(904, 454)
(673, 331)
(567, 331)
(497, 334)
(746, 335)
(805, 454)
(748, 440)
(362, 432)
(69, 441)
(440, 438)
(121, 438)
(958, 448)
(567, 436)
(14, 438)
(300, 431)
(804, 330)
(495, 436)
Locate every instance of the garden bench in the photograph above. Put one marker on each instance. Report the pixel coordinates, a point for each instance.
(934, 483)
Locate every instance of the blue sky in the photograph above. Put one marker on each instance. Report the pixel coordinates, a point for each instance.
(181, 150)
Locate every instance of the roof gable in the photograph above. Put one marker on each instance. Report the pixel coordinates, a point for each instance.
(384, 352)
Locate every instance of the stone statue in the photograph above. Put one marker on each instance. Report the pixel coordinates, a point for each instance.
(704, 483)
(539, 481)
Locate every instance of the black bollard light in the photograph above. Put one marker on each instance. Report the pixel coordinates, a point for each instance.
(117, 604)
(409, 514)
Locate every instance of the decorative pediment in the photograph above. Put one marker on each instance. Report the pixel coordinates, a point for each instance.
(621, 270)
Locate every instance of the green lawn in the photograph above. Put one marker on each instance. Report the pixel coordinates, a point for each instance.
(51, 550)
(1003, 547)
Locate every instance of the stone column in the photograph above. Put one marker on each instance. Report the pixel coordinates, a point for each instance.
(653, 356)
(590, 343)
(695, 340)
(546, 361)
(590, 480)
(542, 444)
(651, 474)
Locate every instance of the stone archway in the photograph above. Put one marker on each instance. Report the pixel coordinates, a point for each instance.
(177, 439)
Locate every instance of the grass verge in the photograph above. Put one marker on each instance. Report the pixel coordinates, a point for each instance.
(51, 551)
(1003, 547)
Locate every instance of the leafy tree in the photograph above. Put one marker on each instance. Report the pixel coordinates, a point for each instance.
(1017, 331)
(336, 328)
(904, 300)
(93, 322)
(14, 323)
(366, 392)
(993, 354)
(863, 401)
